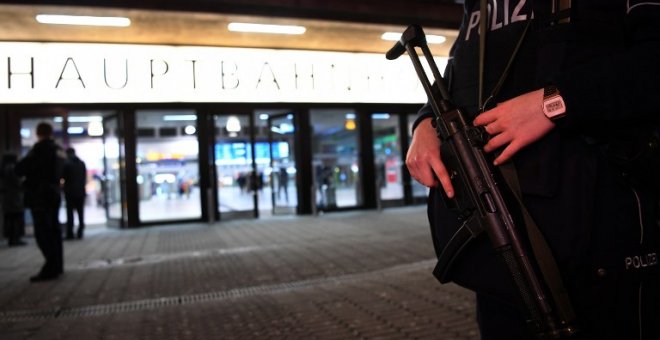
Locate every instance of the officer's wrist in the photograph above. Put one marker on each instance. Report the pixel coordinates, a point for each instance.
(554, 107)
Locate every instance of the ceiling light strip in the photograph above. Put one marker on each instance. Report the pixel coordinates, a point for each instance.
(430, 38)
(83, 20)
(261, 28)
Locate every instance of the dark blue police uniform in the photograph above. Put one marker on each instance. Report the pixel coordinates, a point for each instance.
(588, 183)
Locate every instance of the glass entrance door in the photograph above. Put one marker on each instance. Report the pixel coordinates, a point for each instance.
(281, 130)
(335, 147)
(167, 162)
(113, 181)
(237, 181)
(387, 156)
(82, 131)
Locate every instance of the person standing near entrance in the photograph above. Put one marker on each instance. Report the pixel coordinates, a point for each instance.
(75, 179)
(283, 183)
(42, 169)
(11, 191)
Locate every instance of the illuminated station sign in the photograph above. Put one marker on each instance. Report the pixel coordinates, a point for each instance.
(116, 73)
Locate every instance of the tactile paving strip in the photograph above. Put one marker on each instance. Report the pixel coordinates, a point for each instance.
(148, 304)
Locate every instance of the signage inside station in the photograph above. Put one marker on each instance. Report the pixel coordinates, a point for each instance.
(117, 73)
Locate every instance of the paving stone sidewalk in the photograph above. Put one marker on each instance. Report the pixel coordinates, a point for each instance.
(350, 275)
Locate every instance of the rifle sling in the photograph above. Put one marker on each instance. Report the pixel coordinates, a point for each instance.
(542, 253)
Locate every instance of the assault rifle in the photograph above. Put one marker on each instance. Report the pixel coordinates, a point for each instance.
(478, 199)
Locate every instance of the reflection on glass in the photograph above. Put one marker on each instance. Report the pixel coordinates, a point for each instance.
(419, 191)
(168, 165)
(387, 155)
(335, 160)
(111, 184)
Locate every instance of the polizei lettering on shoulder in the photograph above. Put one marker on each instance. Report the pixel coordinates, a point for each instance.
(501, 13)
(641, 261)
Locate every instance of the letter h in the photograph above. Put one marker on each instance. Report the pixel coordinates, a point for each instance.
(10, 73)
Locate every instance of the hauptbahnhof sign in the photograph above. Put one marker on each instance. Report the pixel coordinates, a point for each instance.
(115, 73)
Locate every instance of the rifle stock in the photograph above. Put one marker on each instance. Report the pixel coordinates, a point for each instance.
(478, 193)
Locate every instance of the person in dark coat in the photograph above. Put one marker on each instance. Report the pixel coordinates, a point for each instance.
(42, 168)
(75, 179)
(575, 113)
(11, 190)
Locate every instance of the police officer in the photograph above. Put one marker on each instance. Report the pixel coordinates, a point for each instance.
(575, 115)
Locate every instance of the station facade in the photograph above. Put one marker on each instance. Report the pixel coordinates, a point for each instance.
(201, 133)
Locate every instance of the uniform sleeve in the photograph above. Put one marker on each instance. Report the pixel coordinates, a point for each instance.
(622, 88)
(423, 113)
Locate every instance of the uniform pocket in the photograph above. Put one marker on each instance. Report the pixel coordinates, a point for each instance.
(538, 166)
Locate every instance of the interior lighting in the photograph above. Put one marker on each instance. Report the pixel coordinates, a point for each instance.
(380, 116)
(233, 124)
(83, 20)
(95, 129)
(262, 28)
(179, 118)
(282, 129)
(84, 119)
(431, 38)
(350, 124)
(75, 130)
(190, 130)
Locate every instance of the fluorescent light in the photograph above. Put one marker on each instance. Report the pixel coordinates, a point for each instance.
(391, 36)
(431, 38)
(380, 116)
(83, 20)
(84, 119)
(435, 39)
(79, 119)
(261, 28)
(75, 130)
(179, 118)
